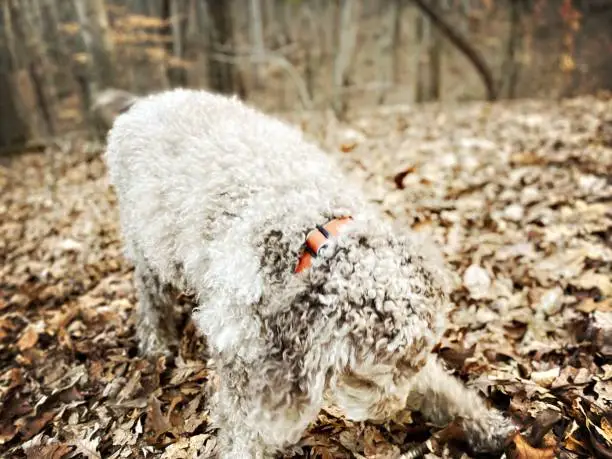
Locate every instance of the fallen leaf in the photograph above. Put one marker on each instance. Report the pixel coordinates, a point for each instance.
(400, 176)
(156, 422)
(523, 450)
(348, 147)
(590, 305)
(545, 378)
(551, 301)
(48, 451)
(28, 427)
(376, 446)
(28, 339)
(573, 442)
(477, 281)
(88, 446)
(600, 281)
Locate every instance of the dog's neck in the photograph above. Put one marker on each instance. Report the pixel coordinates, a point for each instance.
(318, 239)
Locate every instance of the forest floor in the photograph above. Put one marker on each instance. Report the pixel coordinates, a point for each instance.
(519, 195)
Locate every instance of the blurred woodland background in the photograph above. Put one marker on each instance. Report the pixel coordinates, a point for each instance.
(516, 193)
(285, 55)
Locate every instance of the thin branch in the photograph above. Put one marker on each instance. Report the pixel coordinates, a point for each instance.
(462, 43)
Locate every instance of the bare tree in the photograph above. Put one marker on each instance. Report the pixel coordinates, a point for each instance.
(422, 31)
(174, 30)
(435, 65)
(347, 29)
(312, 58)
(59, 46)
(36, 62)
(462, 43)
(388, 42)
(223, 76)
(21, 119)
(14, 129)
(396, 9)
(511, 65)
(95, 33)
(257, 38)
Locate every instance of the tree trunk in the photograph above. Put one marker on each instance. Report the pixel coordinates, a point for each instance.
(269, 17)
(463, 44)
(422, 29)
(387, 43)
(511, 65)
(14, 129)
(429, 61)
(174, 31)
(95, 34)
(257, 38)
(435, 65)
(396, 38)
(223, 76)
(36, 64)
(106, 50)
(347, 29)
(62, 54)
(311, 43)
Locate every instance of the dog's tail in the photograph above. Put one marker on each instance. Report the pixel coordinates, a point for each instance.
(109, 104)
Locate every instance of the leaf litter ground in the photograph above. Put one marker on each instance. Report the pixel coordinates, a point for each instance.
(519, 196)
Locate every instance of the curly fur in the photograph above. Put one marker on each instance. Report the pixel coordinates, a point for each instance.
(218, 198)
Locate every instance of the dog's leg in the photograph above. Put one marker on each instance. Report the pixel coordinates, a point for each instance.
(155, 327)
(250, 428)
(241, 436)
(442, 398)
(236, 439)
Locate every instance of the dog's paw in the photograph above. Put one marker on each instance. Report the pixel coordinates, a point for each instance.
(491, 433)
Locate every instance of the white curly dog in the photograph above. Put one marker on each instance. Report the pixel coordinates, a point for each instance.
(305, 293)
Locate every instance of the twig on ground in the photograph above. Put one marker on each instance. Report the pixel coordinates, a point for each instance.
(453, 431)
(541, 425)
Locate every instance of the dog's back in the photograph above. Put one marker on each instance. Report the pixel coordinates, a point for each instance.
(217, 141)
(190, 166)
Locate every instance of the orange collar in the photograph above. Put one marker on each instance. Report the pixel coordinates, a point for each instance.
(317, 239)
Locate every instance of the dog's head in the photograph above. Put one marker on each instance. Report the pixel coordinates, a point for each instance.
(366, 313)
(387, 295)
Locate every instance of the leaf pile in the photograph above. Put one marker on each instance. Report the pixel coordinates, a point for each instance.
(519, 196)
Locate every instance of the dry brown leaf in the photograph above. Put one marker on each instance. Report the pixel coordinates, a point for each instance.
(545, 378)
(88, 446)
(398, 179)
(348, 147)
(573, 442)
(477, 280)
(49, 451)
(523, 450)
(28, 339)
(28, 427)
(323, 452)
(606, 427)
(527, 158)
(156, 422)
(600, 281)
(601, 435)
(376, 446)
(590, 305)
